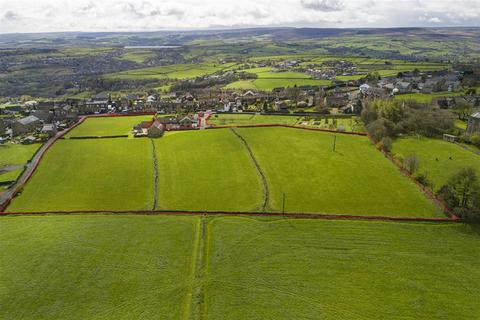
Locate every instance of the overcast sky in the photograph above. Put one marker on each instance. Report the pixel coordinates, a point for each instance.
(149, 15)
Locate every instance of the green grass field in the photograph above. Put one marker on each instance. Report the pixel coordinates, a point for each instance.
(351, 124)
(426, 97)
(177, 71)
(206, 170)
(248, 119)
(212, 170)
(355, 179)
(107, 126)
(95, 267)
(93, 174)
(268, 84)
(304, 269)
(17, 154)
(429, 150)
(161, 267)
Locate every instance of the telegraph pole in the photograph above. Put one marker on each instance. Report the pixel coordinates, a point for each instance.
(283, 204)
(334, 142)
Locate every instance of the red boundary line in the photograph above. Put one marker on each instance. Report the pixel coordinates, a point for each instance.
(427, 192)
(226, 213)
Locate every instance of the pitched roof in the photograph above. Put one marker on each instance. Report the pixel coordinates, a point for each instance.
(476, 115)
(27, 120)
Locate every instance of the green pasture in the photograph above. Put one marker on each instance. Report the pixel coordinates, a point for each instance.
(177, 71)
(212, 170)
(439, 159)
(107, 126)
(91, 174)
(151, 267)
(354, 179)
(350, 124)
(138, 56)
(283, 75)
(17, 154)
(426, 97)
(268, 84)
(95, 267)
(249, 119)
(206, 170)
(310, 269)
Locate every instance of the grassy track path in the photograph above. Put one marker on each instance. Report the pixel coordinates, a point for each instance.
(155, 174)
(266, 191)
(196, 297)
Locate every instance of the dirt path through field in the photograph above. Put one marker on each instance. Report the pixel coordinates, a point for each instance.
(196, 297)
(266, 192)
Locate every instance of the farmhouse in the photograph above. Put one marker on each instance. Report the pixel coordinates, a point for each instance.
(151, 129)
(25, 125)
(474, 123)
(155, 130)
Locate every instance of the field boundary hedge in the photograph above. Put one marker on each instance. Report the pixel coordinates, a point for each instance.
(427, 192)
(241, 213)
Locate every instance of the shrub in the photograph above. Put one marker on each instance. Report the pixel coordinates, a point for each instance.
(387, 144)
(411, 163)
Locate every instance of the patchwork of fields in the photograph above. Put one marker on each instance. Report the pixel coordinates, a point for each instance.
(178, 71)
(244, 169)
(178, 267)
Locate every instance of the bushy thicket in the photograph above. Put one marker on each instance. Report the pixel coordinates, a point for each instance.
(389, 118)
(462, 194)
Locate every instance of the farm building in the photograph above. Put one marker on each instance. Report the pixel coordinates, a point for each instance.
(151, 129)
(49, 129)
(44, 115)
(155, 130)
(25, 125)
(474, 123)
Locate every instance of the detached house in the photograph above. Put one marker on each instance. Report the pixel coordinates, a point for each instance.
(151, 129)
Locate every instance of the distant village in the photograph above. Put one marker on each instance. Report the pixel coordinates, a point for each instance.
(34, 121)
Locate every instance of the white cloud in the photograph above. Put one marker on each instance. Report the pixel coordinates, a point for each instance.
(139, 15)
